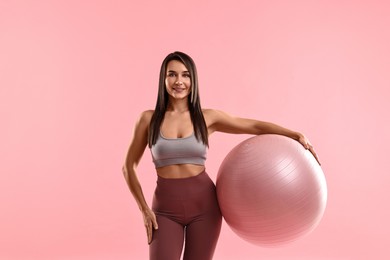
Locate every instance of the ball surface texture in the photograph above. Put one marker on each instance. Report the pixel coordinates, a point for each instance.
(271, 190)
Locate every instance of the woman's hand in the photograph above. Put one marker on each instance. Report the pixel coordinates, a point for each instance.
(306, 143)
(150, 222)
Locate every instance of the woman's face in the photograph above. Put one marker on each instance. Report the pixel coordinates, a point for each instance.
(177, 80)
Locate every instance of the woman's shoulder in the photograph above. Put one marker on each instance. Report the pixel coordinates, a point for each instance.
(208, 110)
(147, 113)
(146, 116)
(212, 115)
(211, 112)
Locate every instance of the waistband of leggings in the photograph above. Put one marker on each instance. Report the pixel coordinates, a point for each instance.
(182, 180)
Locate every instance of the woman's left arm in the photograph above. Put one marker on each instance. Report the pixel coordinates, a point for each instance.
(219, 121)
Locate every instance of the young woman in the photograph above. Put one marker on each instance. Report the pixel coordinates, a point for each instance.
(185, 207)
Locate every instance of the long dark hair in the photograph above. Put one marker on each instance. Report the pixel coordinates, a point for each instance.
(200, 128)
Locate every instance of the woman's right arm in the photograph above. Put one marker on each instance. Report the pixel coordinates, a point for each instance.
(137, 147)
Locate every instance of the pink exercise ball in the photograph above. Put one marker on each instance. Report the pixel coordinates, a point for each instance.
(271, 190)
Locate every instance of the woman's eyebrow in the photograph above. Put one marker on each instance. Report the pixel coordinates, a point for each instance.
(185, 71)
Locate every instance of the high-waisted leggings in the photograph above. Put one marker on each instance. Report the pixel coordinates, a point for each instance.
(187, 211)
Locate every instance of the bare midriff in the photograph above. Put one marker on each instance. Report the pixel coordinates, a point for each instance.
(178, 171)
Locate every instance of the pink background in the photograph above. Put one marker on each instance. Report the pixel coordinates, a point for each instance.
(74, 76)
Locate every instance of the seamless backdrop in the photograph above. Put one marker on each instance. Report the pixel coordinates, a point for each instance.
(75, 75)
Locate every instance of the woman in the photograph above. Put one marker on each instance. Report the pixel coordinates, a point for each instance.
(185, 206)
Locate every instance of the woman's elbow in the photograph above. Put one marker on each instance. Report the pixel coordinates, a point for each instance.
(125, 171)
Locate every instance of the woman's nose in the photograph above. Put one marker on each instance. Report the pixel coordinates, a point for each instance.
(178, 82)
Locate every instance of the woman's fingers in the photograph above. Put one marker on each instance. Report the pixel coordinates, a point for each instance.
(155, 225)
(311, 149)
(150, 224)
(306, 143)
(314, 154)
(149, 231)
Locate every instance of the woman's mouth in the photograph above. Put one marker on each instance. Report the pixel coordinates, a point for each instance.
(179, 90)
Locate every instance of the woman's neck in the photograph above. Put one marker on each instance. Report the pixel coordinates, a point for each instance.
(176, 105)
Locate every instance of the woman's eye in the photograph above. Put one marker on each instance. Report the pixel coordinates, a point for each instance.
(186, 75)
(171, 75)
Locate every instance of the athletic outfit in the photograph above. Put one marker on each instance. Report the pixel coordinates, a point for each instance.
(186, 208)
(168, 151)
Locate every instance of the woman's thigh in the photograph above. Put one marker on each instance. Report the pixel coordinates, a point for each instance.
(167, 241)
(202, 237)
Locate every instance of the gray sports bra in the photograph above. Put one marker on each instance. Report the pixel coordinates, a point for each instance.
(169, 151)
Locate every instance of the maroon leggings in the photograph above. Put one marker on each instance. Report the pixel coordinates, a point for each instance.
(186, 210)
